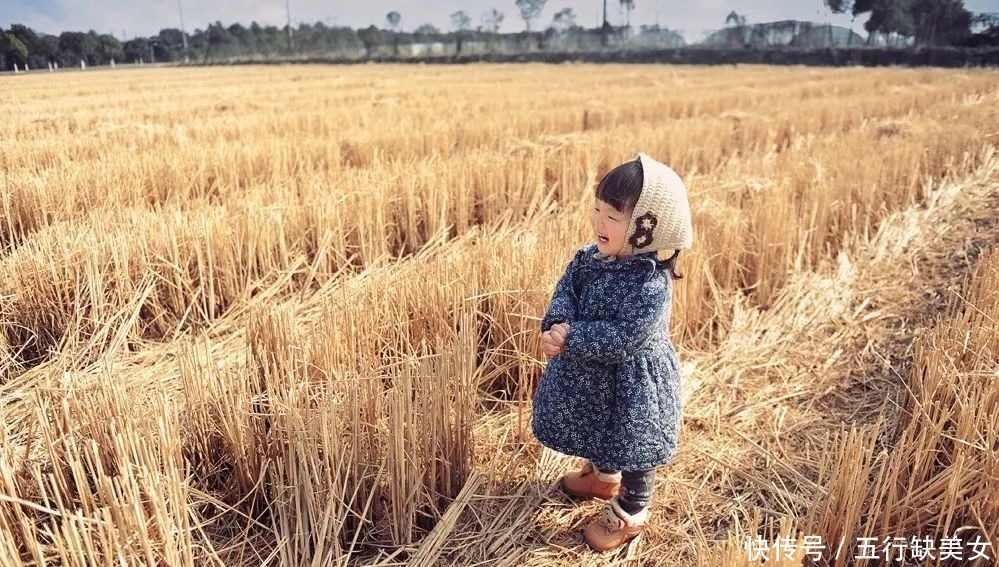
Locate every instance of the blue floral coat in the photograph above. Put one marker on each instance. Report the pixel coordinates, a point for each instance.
(613, 395)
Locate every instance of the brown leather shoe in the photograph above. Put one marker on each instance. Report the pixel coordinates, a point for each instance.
(588, 482)
(614, 527)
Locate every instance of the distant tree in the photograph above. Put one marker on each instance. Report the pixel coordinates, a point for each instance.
(49, 49)
(629, 6)
(530, 10)
(460, 21)
(929, 22)
(890, 17)
(984, 21)
(369, 37)
(304, 37)
(12, 50)
(344, 38)
(841, 7)
(393, 19)
(108, 48)
(135, 49)
(170, 46)
(491, 20)
(312, 38)
(427, 29)
(32, 43)
(77, 46)
(985, 28)
(241, 37)
(272, 40)
(564, 19)
(217, 36)
(940, 22)
(734, 33)
(24, 33)
(460, 24)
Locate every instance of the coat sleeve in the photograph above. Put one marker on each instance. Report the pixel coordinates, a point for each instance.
(612, 340)
(562, 308)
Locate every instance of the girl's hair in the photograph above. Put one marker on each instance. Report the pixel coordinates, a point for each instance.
(620, 188)
(671, 264)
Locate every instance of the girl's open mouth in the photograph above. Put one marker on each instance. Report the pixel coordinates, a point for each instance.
(603, 239)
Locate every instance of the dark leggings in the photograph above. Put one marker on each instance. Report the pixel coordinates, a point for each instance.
(636, 489)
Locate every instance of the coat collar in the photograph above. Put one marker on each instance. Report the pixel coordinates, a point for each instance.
(598, 259)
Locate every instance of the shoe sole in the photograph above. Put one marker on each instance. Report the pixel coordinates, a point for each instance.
(618, 546)
(583, 496)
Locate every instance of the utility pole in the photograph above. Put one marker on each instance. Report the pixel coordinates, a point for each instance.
(183, 32)
(603, 26)
(291, 42)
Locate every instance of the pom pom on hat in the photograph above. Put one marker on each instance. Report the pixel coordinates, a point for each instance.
(661, 218)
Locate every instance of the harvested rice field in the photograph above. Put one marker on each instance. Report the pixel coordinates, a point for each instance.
(289, 315)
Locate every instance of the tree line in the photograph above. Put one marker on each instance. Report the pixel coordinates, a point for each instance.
(925, 22)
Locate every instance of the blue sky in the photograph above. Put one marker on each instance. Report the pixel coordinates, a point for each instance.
(144, 17)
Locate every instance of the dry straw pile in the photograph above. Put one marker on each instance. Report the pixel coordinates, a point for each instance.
(289, 316)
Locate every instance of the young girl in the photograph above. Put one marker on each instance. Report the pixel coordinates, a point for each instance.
(611, 391)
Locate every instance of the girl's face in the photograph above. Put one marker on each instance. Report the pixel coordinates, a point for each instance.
(609, 227)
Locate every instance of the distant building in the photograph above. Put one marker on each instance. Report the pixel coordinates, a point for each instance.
(657, 37)
(789, 33)
(423, 49)
(575, 39)
(826, 35)
(880, 40)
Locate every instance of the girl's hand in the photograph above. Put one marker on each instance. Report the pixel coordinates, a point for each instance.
(559, 332)
(548, 345)
(553, 340)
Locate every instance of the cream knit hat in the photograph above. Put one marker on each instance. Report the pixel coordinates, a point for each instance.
(661, 219)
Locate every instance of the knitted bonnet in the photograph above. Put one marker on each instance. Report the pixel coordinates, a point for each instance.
(661, 218)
